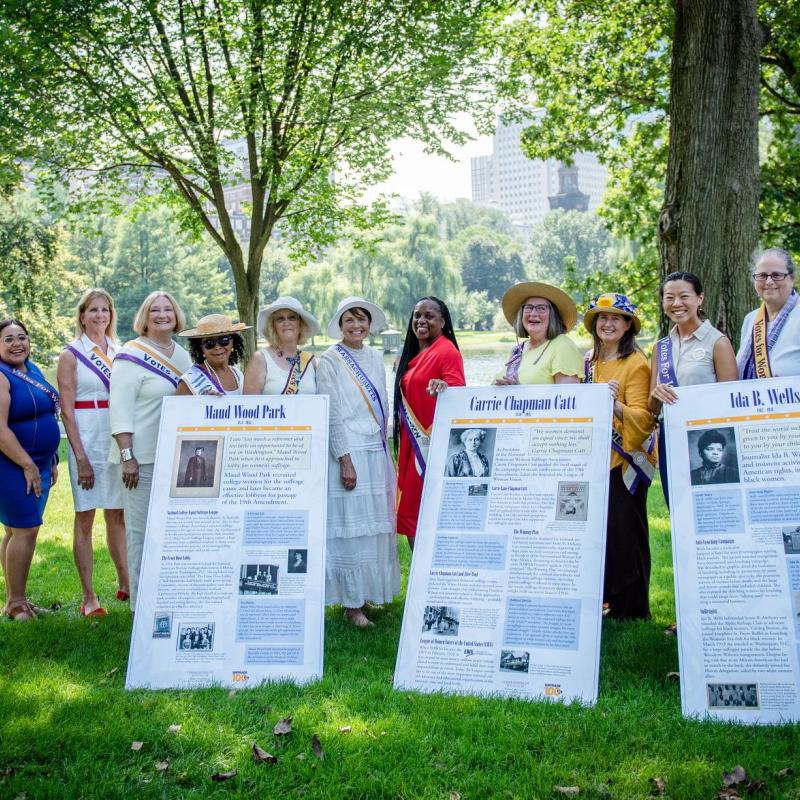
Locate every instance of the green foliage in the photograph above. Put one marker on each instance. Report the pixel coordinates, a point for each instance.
(490, 262)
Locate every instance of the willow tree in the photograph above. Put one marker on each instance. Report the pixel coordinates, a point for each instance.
(309, 91)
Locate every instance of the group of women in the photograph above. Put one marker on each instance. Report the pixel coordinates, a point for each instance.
(110, 400)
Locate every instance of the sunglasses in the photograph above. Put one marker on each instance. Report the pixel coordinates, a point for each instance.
(222, 341)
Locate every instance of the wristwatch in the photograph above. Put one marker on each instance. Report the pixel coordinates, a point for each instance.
(126, 454)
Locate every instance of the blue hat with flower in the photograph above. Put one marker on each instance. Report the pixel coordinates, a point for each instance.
(612, 303)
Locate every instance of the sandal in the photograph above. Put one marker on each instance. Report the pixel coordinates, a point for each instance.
(22, 610)
(122, 595)
(98, 612)
(357, 617)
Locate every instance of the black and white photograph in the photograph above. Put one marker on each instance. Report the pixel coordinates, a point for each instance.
(197, 467)
(732, 695)
(258, 579)
(196, 636)
(297, 562)
(791, 540)
(478, 489)
(713, 456)
(514, 660)
(470, 453)
(572, 501)
(162, 625)
(441, 620)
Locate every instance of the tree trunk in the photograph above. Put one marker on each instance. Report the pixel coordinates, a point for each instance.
(709, 222)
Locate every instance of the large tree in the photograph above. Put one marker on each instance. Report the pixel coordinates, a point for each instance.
(315, 89)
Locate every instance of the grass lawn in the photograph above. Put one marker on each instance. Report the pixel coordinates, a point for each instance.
(67, 725)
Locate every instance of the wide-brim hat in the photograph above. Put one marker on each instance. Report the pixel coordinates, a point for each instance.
(214, 325)
(612, 303)
(376, 325)
(292, 304)
(520, 292)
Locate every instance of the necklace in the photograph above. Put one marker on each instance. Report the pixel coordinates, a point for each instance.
(219, 380)
(164, 348)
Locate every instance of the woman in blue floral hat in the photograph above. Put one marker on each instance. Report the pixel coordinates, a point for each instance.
(616, 360)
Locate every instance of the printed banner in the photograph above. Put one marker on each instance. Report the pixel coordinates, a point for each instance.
(734, 484)
(505, 591)
(232, 588)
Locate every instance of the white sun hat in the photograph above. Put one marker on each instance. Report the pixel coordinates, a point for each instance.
(291, 304)
(377, 324)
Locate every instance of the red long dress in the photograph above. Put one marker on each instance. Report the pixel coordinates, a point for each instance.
(441, 360)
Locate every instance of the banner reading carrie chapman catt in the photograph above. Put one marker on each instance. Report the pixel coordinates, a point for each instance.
(506, 584)
(233, 575)
(734, 484)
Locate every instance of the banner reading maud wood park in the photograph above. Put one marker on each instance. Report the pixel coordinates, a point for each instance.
(506, 583)
(734, 485)
(233, 574)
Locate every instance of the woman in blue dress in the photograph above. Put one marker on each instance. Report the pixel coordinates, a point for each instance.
(29, 438)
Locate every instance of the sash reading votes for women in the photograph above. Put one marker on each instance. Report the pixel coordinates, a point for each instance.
(42, 387)
(637, 466)
(201, 382)
(366, 388)
(297, 369)
(97, 361)
(145, 357)
(418, 435)
(666, 364)
(754, 362)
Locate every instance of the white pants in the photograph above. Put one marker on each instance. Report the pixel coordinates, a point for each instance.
(135, 503)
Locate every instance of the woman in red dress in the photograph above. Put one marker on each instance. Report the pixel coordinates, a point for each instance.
(429, 363)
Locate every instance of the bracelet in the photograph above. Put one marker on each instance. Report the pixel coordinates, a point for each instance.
(126, 454)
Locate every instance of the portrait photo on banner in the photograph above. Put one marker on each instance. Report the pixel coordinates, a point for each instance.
(713, 456)
(470, 453)
(197, 466)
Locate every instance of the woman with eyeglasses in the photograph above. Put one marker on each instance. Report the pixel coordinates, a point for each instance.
(215, 346)
(541, 316)
(29, 439)
(693, 352)
(146, 370)
(84, 378)
(770, 342)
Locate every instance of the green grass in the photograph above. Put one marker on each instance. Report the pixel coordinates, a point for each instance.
(66, 723)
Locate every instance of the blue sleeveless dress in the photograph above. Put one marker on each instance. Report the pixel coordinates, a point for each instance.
(32, 419)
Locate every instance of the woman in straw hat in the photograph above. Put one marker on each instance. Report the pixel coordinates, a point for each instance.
(84, 379)
(215, 346)
(616, 360)
(541, 315)
(361, 564)
(281, 367)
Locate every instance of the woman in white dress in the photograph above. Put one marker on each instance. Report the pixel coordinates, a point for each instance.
(215, 346)
(281, 367)
(84, 375)
(361, 563)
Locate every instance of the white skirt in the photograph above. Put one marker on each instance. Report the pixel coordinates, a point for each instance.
(107, 492)
(361, 562)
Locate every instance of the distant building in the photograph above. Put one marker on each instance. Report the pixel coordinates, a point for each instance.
(522, 187)
(569, 196)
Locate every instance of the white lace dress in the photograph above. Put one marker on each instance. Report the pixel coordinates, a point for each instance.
(361, 558)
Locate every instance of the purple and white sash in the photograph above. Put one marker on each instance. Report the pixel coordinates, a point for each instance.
(365, 386)
(512, 365)
(201, 382)
(42, 387)
(754, 359)
(142, 355)
(96, 361)
(418, 435)
(666, 363)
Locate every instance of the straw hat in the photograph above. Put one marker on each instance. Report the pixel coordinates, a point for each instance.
(612, 303)
(214, 325)
(519, 293)
(377, 324)
(291, 304)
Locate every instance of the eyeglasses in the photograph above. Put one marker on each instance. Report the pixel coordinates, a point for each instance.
(537, 309)
(222, 341)
(20, 337)
(777, 277)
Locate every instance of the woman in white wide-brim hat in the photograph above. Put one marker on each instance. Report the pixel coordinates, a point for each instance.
(281, 367)
(216, 346)
(361, 564)
(541, 315)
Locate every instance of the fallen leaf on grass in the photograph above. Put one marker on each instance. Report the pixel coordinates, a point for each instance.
(112, 672)
(174, 729)
(262, 756)
(673, 676)
(136, 746)
(21, 796)
(283, 726)
(659, 786)
(567, 790)
(784, 773)
(756, 786)
(671, 630)
(454, 796)
(727, 794)
(301, 756)
(317, 747)
(232, 693)
(736, 776)
(162, 766)
(345, 728)
(219, 777)
(383, 733)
